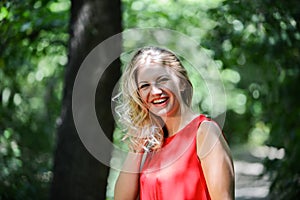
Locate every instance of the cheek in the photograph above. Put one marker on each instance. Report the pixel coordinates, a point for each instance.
(173, 89)
(143, 95)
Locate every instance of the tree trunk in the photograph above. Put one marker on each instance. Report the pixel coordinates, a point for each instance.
(77, 174)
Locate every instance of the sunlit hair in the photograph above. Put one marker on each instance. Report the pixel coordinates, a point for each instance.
(143, 129)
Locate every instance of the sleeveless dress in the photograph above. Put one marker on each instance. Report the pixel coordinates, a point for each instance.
(175, 172)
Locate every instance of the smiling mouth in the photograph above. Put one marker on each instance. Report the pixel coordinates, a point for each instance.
(160, 101)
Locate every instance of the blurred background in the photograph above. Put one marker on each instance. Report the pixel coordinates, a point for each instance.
(254, 45)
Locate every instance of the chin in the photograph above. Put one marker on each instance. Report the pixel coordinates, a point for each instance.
(159, 114)
(164, 115)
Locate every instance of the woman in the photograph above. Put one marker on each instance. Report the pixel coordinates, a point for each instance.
(186, 154)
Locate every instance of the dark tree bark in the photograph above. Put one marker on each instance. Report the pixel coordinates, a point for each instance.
(76, 173)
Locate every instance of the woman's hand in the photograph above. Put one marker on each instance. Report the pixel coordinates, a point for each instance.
(127, 185)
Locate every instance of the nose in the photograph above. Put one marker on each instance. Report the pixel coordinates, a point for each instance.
(155, 90)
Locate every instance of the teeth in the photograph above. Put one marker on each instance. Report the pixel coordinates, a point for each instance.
(157, 101)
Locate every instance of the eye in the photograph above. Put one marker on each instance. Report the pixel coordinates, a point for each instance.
(163, 79)
(144, 86)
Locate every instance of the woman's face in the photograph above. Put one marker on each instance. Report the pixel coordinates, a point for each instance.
(159, 89)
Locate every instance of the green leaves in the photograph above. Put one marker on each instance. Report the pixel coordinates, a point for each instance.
(263, 47)
(33, 51)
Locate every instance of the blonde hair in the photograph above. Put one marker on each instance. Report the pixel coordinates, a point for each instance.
(144, 131)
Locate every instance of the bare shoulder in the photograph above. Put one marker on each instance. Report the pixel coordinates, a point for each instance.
(209, 127)
(208, 131)
(209, 136)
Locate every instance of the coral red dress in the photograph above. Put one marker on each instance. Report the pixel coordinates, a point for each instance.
(175, 172)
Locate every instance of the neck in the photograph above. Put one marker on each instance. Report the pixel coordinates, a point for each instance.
(178, 121)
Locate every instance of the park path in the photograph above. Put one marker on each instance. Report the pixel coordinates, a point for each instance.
(250, 183)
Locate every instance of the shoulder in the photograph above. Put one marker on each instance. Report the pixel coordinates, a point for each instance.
(209, 126)
(209, 134)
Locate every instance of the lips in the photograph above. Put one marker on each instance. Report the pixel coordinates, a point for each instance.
(160, 101)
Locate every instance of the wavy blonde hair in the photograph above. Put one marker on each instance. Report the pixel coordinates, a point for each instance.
(144, 131)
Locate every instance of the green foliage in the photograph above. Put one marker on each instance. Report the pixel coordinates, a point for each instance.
(260, 40)
(254, 44)
(33, 51)
(185, 16)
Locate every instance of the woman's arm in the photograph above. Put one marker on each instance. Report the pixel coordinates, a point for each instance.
(127, 185)
(216, 161)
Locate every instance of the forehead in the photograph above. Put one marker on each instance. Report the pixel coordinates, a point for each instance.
(152, 71)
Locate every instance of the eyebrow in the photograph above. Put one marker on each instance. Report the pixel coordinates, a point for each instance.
(162, 76)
